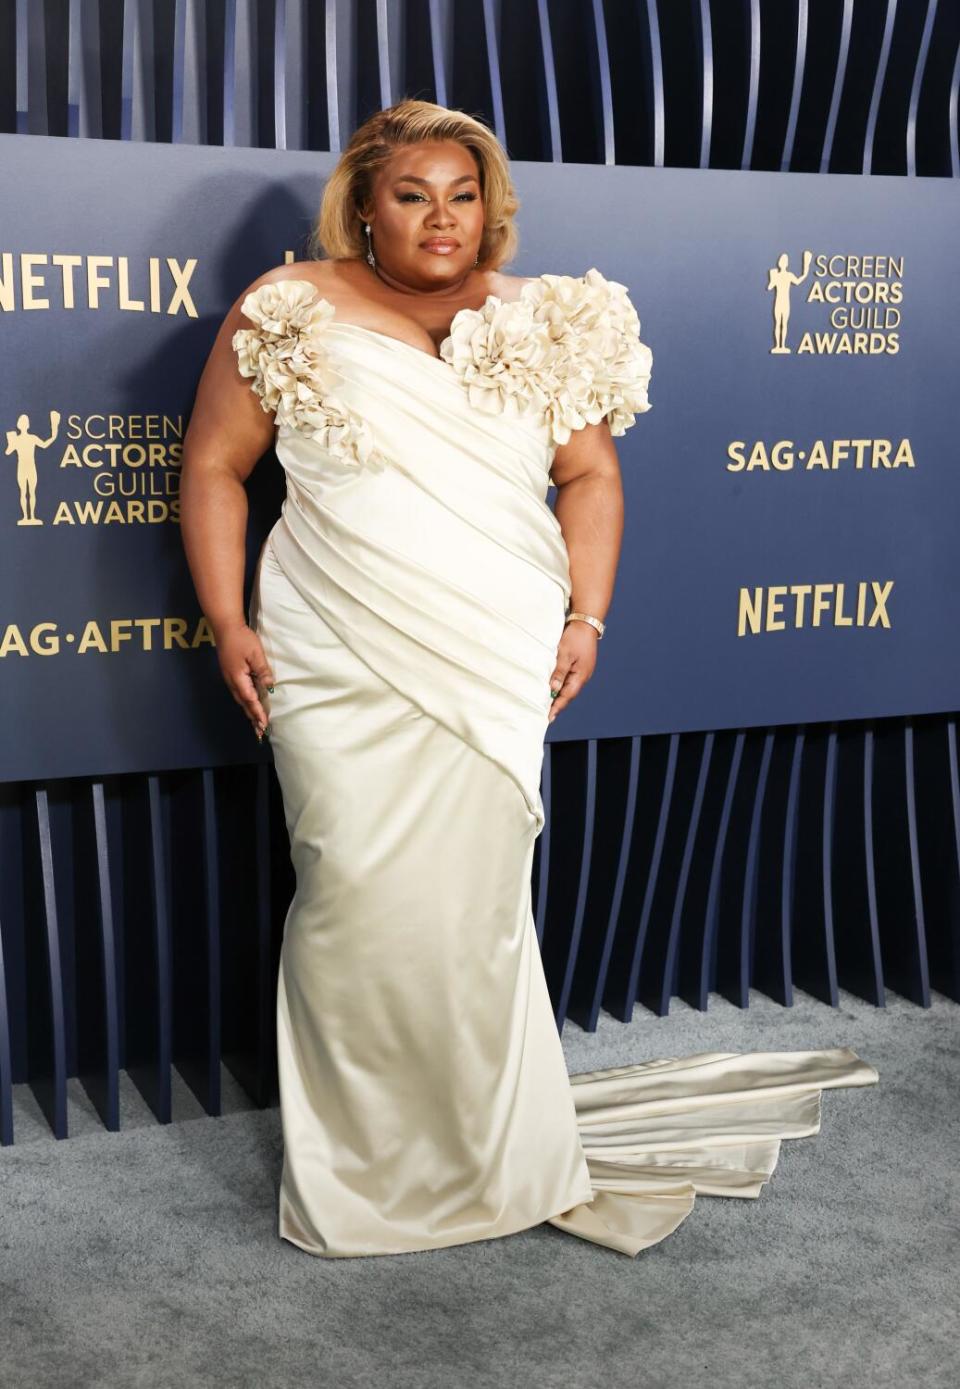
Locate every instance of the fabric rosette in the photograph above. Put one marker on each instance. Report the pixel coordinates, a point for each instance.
(568, 349)
(291, 373)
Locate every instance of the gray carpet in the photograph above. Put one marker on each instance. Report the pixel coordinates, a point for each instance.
(150, 1257)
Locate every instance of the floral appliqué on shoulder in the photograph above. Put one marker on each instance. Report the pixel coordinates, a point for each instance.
(287, 359)
(568, 349)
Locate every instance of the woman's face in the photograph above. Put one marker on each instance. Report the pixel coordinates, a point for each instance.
(427, 217)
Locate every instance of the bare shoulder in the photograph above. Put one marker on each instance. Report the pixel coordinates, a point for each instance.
(317, 272)
(508, 287)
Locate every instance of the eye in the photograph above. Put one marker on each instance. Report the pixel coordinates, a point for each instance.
(407, 197)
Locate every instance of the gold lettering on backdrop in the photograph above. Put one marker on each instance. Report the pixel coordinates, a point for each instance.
(67, 264)
(96, 281)
(770, 609)
(123, 276)
(858, 294)
(30, 282)
(130, 462)
(109, 283)
(108, 637)
(824, 455)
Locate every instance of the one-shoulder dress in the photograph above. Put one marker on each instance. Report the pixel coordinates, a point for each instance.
(410, 599)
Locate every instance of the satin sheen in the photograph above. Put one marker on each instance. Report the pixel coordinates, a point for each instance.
(411, 615)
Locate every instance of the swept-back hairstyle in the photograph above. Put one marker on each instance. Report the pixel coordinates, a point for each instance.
(338, 229)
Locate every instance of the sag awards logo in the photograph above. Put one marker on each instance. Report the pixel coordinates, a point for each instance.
(851, 303)
(107, 470)
(98, 470)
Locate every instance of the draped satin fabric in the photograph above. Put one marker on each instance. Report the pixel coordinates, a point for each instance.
(411, 613)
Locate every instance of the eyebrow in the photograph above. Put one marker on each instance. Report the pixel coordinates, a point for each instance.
(414, 178)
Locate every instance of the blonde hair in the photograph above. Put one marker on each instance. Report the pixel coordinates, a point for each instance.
(338, 229)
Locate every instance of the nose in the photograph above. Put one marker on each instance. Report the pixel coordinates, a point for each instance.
(441, 216)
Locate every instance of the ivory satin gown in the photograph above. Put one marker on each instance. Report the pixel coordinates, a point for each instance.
(410, 600)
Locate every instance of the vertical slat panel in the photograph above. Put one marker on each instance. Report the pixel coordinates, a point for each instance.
(915, 87)
(97, 973)
(491, 28)
(46, 1033)
(828, 834)
(384, 45)
(791, 828)
(549, 82)
(703, 31)
(711, 928)
(562, 999)
(878, 80)
(38, 116)
(338, 93)
(953, 117)
(937, 781)
(839, 77)
(292, 91)
(585, 1007)
(656, 97)
(138, 76)
(848, 877)
(195, 936)
(83, 70)
(189, 124)
(663, 815)
(243, 870)
(671, 962)
(899, 905)
(652, 755)
(918, 933)
(240, 74)
(947, 976)
(283, 74)
(6, 1047)
(748, 909)
(441, 47)
(229, 81)
(753, 81)
(147, 958)
(871, 866)
(23, 70)
(605, 85)
(799, 68)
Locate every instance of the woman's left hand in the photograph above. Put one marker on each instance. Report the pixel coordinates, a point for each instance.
(576, 658)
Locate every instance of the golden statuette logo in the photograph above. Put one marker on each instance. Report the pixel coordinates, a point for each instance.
(24, 445)
(781, 280)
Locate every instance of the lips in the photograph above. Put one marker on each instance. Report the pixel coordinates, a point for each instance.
(442, 244)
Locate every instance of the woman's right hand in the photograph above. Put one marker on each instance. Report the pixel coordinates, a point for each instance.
(244, 665)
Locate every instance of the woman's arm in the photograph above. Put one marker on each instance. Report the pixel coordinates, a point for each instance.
(589, 508)
(227, 434)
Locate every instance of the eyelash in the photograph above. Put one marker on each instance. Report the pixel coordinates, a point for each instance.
(470, 197)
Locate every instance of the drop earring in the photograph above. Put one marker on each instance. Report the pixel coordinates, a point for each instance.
(371, 259)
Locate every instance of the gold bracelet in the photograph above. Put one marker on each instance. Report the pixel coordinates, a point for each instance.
(585, 617)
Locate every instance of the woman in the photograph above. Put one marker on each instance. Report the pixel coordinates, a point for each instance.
(419, 615)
